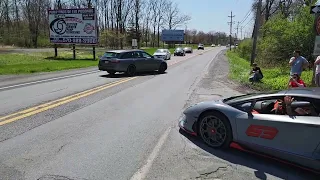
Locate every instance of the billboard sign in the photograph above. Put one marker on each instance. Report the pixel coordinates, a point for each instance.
(172, 35)
(73, 26)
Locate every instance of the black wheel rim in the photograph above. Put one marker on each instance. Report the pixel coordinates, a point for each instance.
(213, 131)
(162, 67)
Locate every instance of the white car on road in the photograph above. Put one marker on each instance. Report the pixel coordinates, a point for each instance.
(162, 54)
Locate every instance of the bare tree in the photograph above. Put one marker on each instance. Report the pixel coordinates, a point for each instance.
(137, 9)
(173, 17)
(154, 11)
(32, 11)
(25, 22)
(146, 22)
(161, 10)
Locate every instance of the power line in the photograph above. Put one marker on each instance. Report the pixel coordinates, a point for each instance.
(249, 22)
(246, 17)
(237, 30)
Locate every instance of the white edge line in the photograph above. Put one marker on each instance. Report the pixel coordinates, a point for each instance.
(50, 79)
(143, 171)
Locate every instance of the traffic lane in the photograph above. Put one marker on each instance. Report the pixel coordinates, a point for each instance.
(23, 126)
(28, 79)
(21, 98)
(184, 156)
(109, 139)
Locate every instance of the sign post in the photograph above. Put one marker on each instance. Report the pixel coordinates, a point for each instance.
(73, 26)
(134, 43)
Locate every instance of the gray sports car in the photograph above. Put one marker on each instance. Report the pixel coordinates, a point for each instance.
(130, 61)
(261, 122)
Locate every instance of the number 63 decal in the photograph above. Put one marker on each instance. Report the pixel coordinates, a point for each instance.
(264, 132)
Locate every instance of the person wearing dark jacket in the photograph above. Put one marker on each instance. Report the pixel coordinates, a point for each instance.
(256, 73)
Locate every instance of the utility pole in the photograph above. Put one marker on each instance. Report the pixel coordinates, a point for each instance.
(241, 32)
(231, 22)
(237, 28)
(237, 35)
(256, 30)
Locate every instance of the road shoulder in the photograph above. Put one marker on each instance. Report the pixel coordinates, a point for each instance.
(10, 80)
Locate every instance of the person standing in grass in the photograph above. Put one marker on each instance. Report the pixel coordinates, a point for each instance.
(297, 63)
(317, 73)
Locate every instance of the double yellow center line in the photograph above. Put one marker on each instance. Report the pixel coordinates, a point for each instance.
(46, 106)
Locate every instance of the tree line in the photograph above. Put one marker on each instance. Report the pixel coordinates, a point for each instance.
(285, 26)
(25, 23)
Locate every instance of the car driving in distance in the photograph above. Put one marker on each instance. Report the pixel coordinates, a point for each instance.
(130, 62)
(213, 45)
(162, 54)
(255, 123)
(188, 49)
(200, 46)
(179, 52)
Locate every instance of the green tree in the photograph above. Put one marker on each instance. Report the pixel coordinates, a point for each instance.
(284, 35)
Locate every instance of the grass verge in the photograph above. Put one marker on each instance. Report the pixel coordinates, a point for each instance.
(274, 78)
(25, 63)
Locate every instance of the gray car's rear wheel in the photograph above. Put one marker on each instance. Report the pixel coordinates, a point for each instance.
(215, 130)
(162, 68)
(131, 70)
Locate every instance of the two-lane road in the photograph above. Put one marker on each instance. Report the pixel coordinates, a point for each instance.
(96, 135)
(97, 127)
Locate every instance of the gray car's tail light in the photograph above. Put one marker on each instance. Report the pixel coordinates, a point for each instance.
(114, 61)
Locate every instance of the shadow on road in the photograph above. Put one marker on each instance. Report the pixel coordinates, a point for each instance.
(123, 75)
(262, 166)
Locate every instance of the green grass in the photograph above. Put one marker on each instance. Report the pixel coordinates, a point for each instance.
(25, 63)
(274, 78)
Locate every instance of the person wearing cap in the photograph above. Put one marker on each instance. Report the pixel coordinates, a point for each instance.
(297, 63)
(256, 73)
(296, 81)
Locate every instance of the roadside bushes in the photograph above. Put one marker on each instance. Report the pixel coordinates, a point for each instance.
(244, 48)
(280, 36)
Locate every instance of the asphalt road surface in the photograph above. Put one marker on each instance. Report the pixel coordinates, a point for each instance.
(93, 126)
